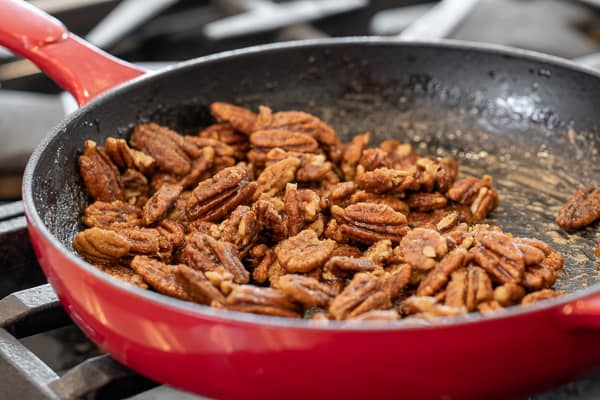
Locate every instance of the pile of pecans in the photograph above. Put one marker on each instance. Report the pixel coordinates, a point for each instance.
(270, 213)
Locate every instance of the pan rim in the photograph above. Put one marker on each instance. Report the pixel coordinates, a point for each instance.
(206, 312)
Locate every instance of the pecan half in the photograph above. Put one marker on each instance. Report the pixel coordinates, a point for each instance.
(541, 295)
(508, 294)
(581, 209)
(469, 287)
(258, 300)
(303, 252)
(204, 253)
(271, 215)
(213, 198)
(377, 315)
(426, 201)
(225, 133)
(115, 214)
(265, 258)
(298, 121)
(395, 279)
(241, 119)
(123, 274)
(386, 180)
(422, 247)
(263, 141)
(159, 204)
(344, 263)
(352, 154)
(195, 284)
(164, 145)
(429, 306)
(275, 176)
(135, 186)
(125, 157)
(499, 256)
(241, 228)
(488, 307)
(438, 276)
(100, 175)
(201, 168)
(160, 276)
(101, 245)
(306, 291)
(365, 197)
(476, 193)
(360, 296)
(370, 222)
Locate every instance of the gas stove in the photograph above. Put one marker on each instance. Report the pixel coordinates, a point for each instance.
(43, 355)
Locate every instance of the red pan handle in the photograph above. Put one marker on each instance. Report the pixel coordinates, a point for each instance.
(79, 67)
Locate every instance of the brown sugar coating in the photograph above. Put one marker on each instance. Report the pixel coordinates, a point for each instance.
(271, 213)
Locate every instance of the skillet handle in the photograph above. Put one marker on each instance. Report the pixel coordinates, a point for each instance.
(79, 67)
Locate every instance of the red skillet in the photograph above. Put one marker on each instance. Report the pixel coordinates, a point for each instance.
(529, 120)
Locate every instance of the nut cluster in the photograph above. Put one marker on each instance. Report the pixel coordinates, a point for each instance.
(270, 213)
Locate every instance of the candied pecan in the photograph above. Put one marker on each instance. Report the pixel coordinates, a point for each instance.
(378, 315)
(365, 197)
(401, 155)
(508, 294)
(221, 278)
(171, 231)
(258, 300)
(116, 214)
(125, 157)
(313, 167)
(164, 145)
(380, 252)
(270, 214)
(307, 291)
(123, 274)
(135, 186)
(200, 169)
(538, 276)
(360, 296)
(160, 276)
(194, 146)
(541, 295)
(303, 252)
(298, 121)
(197, 287)
(344, 263)
(438, 276)
(424, 202)
(161, 178)
(371, 159)
(352, 154)
(159, 204)
(421, 247)
(301, 206)
(241, 228)
(341, 193)
(263, 141)
(581, 209)
(597, 252)
(240, 118)
(476, 193)
(395, 279)
(204, 253)
(531, 254)
(386, 180)
(543, 246)
(213, 198)
(468, 287)
(446, 173)
(275, 176)
(370, 222)
(346, 250)
(487, 307)
(429, 306)
(100, 175)
(499, 256)
(225, 133)
(178, 213)
(261, 271)
(101, 245)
